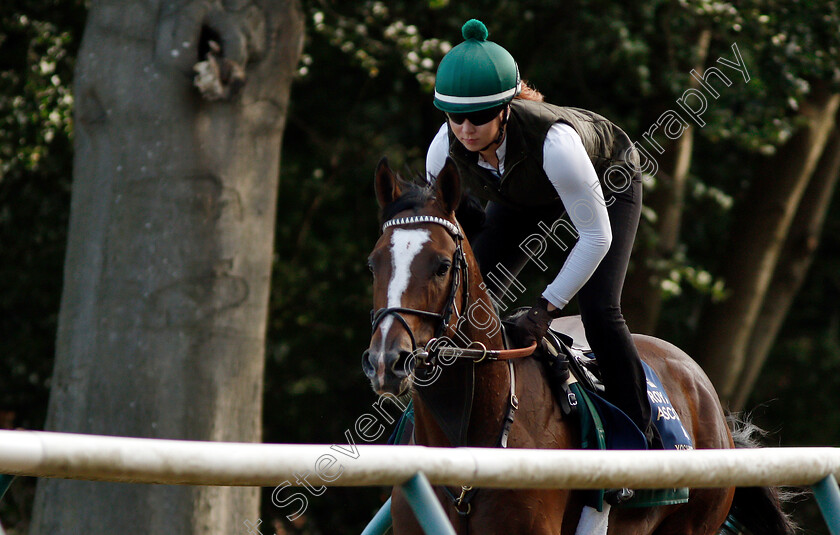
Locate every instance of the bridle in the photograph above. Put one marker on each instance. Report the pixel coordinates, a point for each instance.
(460, 273)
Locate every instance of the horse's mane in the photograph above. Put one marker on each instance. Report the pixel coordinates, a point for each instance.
(417, 193)
(414, 197)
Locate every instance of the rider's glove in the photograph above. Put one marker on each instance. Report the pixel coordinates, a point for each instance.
(532, 326)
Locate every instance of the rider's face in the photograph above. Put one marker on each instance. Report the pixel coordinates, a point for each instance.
(476, 137)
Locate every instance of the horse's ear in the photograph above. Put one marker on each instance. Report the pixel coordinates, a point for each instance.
(448, 186)
(386, 184)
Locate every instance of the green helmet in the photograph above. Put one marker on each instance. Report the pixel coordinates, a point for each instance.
(477, 74)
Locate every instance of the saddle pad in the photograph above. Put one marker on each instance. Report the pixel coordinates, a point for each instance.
(605, 426)
(665, 418)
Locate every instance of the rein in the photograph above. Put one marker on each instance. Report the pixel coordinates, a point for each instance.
(477, 355)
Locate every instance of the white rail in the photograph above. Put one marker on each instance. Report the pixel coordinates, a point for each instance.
(105, 458)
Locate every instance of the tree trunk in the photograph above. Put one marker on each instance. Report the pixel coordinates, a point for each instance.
(642, 294)
(166, 282)
(759, 230)
(794, 262)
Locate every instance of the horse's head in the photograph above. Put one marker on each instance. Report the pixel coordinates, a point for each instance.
(416, 267)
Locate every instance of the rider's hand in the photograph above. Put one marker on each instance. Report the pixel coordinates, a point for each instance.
(532, 326)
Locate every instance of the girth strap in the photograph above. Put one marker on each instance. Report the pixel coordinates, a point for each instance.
(513, 405)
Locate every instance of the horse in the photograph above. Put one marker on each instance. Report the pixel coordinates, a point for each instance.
(427, 287)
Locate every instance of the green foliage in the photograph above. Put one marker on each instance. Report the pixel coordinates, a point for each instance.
(38, 41)
(37, 47)
(792, 46)
(371, 36)
(35, 101)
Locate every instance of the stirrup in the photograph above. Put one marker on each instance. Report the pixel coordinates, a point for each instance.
(618, 496)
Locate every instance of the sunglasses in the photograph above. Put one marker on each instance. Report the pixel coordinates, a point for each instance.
(476, 118)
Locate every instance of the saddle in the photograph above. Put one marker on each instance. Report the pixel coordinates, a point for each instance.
(567, 339)
(568, 333)
(567, 358)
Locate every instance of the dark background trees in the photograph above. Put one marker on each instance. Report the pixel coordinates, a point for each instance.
(737, 260)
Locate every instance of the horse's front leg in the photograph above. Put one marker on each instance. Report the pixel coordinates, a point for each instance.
(404, 520)
(535, 512)
(499, 512)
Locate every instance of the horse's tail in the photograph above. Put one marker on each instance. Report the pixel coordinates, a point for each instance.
(758, 509)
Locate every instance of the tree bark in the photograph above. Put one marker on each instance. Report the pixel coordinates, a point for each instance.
(643, 294)
(759, 229)
(794, 263)
(166, 282)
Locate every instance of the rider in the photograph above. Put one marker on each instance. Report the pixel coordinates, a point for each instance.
(531, 160)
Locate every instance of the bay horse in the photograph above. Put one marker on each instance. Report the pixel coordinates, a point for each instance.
(427, 285)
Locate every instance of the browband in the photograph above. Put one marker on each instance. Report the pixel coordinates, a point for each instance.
(448, 225)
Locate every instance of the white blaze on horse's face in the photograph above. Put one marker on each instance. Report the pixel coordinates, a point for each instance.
(405, 245)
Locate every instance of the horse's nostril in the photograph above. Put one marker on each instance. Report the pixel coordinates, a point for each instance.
(367, 367)
(393, 363)
(399, 364)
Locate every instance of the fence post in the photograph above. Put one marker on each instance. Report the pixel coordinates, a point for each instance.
(380, 523)
(5, 481)
(827, 494)
(420, 496)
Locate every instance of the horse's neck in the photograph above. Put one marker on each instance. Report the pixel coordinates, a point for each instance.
(489, 405)
(479, 324)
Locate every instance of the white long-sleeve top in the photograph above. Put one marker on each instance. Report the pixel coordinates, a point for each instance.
(570, 171)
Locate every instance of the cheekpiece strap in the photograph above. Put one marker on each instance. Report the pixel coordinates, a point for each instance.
(448, 225)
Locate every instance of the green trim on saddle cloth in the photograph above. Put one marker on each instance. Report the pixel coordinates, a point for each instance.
(593, 436)
(656, 498)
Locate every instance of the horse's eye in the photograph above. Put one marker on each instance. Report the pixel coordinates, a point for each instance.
(370, 266)
(443, 269)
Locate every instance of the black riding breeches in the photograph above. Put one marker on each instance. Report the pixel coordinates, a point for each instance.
(501, 254)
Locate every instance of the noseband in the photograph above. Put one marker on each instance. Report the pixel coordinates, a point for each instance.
(460, 271)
